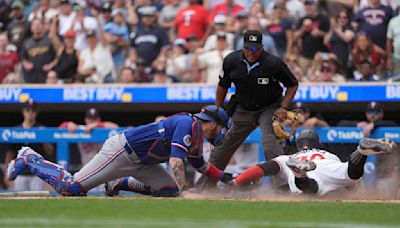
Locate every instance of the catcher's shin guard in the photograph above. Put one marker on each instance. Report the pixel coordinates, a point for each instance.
(55, 175)
(18, 166)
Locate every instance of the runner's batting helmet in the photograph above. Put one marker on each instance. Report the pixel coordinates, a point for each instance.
(308, 139)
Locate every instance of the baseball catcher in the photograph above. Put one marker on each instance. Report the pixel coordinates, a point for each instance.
(137, 152)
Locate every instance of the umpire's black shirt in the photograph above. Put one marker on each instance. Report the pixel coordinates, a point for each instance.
(257, 85)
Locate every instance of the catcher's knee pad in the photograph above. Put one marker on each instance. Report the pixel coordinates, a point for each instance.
(166, 192)
(68, 187)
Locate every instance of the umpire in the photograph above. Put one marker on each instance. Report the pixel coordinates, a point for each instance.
(257, 76)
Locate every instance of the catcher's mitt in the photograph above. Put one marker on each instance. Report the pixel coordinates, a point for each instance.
(279, 129)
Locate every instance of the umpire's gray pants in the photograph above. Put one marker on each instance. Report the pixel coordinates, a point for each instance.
(113, 162)
(244, 122)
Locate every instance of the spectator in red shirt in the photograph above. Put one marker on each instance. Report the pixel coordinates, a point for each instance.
(227, 8)
(192, 20)
(8, 60)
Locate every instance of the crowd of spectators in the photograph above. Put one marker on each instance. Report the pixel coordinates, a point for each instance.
(169, 41)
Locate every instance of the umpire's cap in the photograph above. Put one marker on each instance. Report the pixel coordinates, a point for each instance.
(308, 139)
(252, 38)
(215, 114)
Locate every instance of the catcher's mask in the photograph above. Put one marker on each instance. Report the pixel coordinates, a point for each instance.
(215, 114)
(308, 139)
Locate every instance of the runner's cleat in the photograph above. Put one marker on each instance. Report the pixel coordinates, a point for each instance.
(112, 187)
(369, 146)
(300, 167)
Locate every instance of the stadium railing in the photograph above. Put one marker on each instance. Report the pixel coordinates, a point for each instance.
(62, 138)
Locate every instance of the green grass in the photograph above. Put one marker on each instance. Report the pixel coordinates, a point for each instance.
(148, 212)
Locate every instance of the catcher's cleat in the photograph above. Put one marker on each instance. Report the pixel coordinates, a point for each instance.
(18, 166)
(369, 146)
(300, 167)
(112, 187)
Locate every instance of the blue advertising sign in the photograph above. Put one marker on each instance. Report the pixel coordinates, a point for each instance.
(188, 93)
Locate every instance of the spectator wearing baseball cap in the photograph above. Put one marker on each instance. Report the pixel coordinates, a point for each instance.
(81, 24)
(66, 63)
(374, 114)
(305, 118)
(18, 26)
(219, 26)
(106, 10)
(65, 17)
(366, 72)
(150, 41)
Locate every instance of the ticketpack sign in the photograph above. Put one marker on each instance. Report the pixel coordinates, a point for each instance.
(11, 134)
(334, 135)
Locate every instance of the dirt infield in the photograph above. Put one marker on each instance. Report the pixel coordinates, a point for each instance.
(261, 194)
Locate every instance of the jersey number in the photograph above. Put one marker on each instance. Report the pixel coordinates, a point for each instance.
(312, 157)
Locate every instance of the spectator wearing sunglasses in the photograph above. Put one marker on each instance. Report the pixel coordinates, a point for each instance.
(257, 76)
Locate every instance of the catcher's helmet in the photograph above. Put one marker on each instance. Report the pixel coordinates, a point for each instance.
(308, 139)
(215, 114)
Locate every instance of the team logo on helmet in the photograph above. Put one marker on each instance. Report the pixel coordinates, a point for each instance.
(187, 140)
